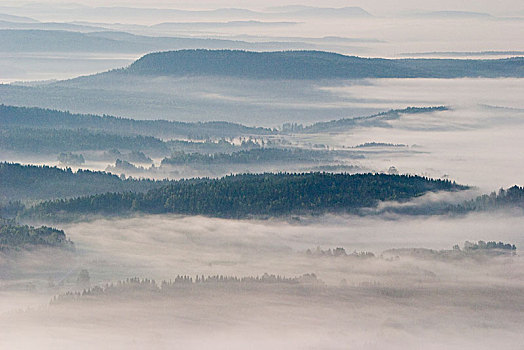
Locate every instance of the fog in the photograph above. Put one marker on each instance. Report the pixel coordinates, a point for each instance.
(401, 282)
(476, 142)
(265, 102)
(399, 303)
(15, 67)
(158, 246)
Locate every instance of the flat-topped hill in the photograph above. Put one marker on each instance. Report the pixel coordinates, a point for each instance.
(314, 65)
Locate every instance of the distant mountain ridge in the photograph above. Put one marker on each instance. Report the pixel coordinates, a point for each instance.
(313, 65)
(347, 11)
(379, 119)
(41, 118)
(31, 182)
(65, 37)
(12, 116)
(456, 14)
(16, 19)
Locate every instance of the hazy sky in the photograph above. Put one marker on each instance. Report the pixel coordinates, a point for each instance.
(379, 7)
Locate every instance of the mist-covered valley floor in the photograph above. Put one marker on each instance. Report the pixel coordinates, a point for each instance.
(394, 298)
(400, 283)
(473, 142)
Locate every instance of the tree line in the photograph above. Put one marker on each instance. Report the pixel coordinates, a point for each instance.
(40, 118)
(30, 182)
(305, 65)
(13, 236)
(505, 198)
(243, 195)
(31, 140)
(255, 155)
(132, 286)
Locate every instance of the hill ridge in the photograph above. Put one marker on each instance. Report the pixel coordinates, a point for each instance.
(312, 64)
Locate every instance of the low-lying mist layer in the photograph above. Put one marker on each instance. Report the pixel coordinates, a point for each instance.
(395, 299)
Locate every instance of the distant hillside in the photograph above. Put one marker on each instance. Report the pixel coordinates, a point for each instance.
(65, 37)
(342, 12)
(456, 14)
(29, 182)
(314, 65)
(52, 119)
(16, 19)
(258, 194)
(44, 140)
(303, 10)
(378, 119)
(506, 200)
(193, 25)
(251, 156)
(511, 198)
(32, 40)
(46, 26)
(16, 237)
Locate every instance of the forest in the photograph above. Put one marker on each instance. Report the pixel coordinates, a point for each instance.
(44, 140)
(379, 119)
(477, 251)
(313, 65)
(243, 195)
(256, 155)
(219, 146)
(11, 116)
(512, 197)
(43, 130)
(14, 236)
(133, 287)
(30, 182)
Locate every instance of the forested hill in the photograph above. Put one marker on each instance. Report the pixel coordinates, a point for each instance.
(13, 236)
(512, 197)
(379, 119)
(314, 65)
(252, 194)
(46, 140)
(11, 116)
(29, 182)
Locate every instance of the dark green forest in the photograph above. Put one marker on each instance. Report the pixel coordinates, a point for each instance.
(252, 194)
(314, 65)
(210, 146)
(379, 119)
(49, 141)
(13, 236)
(29, 182)
(505, 200)
(45, 140)
(40, 130)
(39, 118)
(256, 155)
(512, 197)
